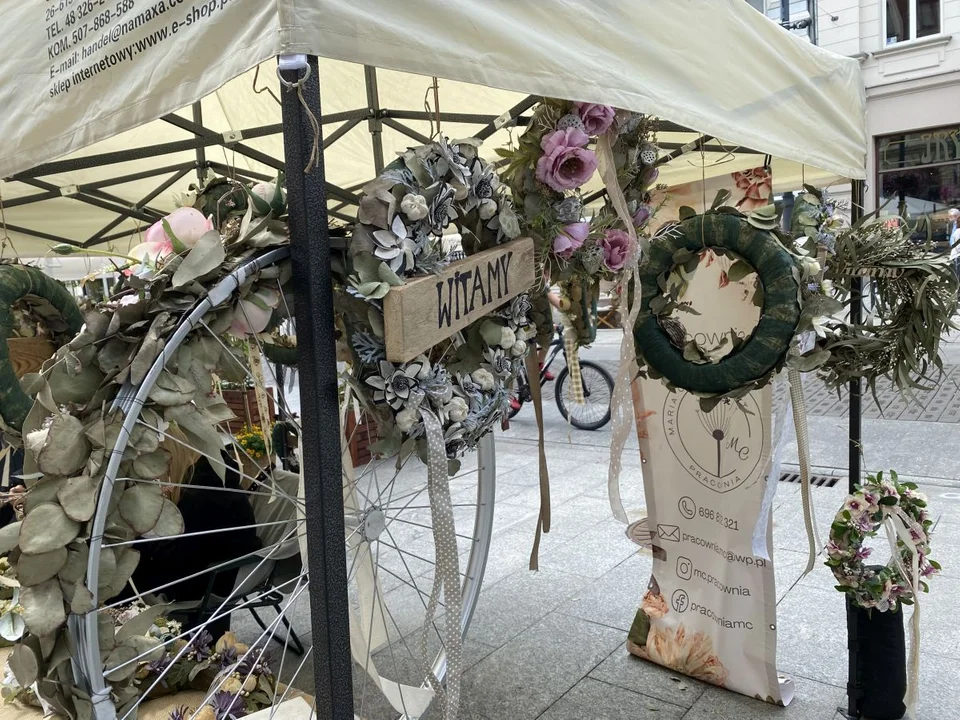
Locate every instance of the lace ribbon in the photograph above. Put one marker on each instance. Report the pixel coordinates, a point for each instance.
(570, 349)
(899, 524)
(543, 521)
(621, 402)
(447, 572)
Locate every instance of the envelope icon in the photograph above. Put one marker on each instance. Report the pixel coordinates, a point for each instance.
(670, 533)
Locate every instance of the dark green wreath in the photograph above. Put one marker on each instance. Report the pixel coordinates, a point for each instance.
(60, 313)
(752, 363)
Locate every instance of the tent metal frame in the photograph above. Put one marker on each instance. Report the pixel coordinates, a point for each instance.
(309, 209)
(344, 198)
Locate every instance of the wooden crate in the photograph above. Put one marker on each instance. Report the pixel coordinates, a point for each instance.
(243, 403)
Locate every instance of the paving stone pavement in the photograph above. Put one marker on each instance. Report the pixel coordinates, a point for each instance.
(550, 645)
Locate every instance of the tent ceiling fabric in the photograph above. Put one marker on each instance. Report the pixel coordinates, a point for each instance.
(714, 65)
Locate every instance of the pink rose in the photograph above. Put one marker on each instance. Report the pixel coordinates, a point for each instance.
(566, 164)
(597, 119)
(570, 238)
(616, 249)
(186, 224)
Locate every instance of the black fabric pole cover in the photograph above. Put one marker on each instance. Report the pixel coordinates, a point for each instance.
(881, 664)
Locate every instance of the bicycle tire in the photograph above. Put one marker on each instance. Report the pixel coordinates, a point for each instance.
(604, 376)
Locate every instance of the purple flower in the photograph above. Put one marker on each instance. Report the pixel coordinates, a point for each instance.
(616, 249)
(597, 119)
(649, 176)
(571, 238)
(227, 706)
(566, 164)
(862, 553)
(641, 216)
(201, 644)
(179, 713)
(159, 667)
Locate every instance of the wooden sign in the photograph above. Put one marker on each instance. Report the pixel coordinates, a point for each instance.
(428, 310)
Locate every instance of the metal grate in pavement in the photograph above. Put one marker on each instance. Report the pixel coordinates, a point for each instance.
(815, 480)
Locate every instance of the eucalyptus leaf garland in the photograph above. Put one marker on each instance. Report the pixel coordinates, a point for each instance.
(913, 289)
(70, 431)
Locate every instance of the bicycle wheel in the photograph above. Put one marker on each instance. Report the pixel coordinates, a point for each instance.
(388, 539)
(594, 413)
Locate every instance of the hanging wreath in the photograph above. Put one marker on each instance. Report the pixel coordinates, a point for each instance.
(901, 511)
(914, 291)
(755, 248)
(71, 428)
(27, 293)
(553, 161)
(410, 219)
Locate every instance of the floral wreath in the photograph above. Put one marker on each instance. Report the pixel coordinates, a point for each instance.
(876, 503)
(916, 289)
(787, 290)
(547, 171)
(404, 214)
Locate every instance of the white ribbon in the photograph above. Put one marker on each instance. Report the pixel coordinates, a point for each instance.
(803, 453)
(780, 408)
(621, 403)
(898, 524)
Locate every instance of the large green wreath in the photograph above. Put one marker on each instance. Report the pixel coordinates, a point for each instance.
(752, 363)
(48, 298)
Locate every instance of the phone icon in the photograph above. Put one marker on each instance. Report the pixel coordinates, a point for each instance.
(688, 508)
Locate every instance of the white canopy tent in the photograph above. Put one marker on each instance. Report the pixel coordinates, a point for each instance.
(152, 95)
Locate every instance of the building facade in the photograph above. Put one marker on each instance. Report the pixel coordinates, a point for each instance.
(910, 53)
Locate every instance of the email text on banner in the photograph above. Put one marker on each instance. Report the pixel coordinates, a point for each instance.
(80, 33)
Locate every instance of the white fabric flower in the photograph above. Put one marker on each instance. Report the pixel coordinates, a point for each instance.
(483, 378)
(407, 418)
(414, 206)
(826, 287)
(811, 268)
(820, 325)
(507, 339)
(395, 386)
(488, 208)
(519, 349)
(456, 409)
(425, 367)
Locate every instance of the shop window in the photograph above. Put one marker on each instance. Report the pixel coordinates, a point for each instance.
(918, 177)
(911, 19)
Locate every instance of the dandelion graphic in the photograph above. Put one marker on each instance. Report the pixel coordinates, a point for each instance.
(716, 423)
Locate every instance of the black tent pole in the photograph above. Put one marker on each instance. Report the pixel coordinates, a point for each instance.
(855, 448)
(313, 287)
